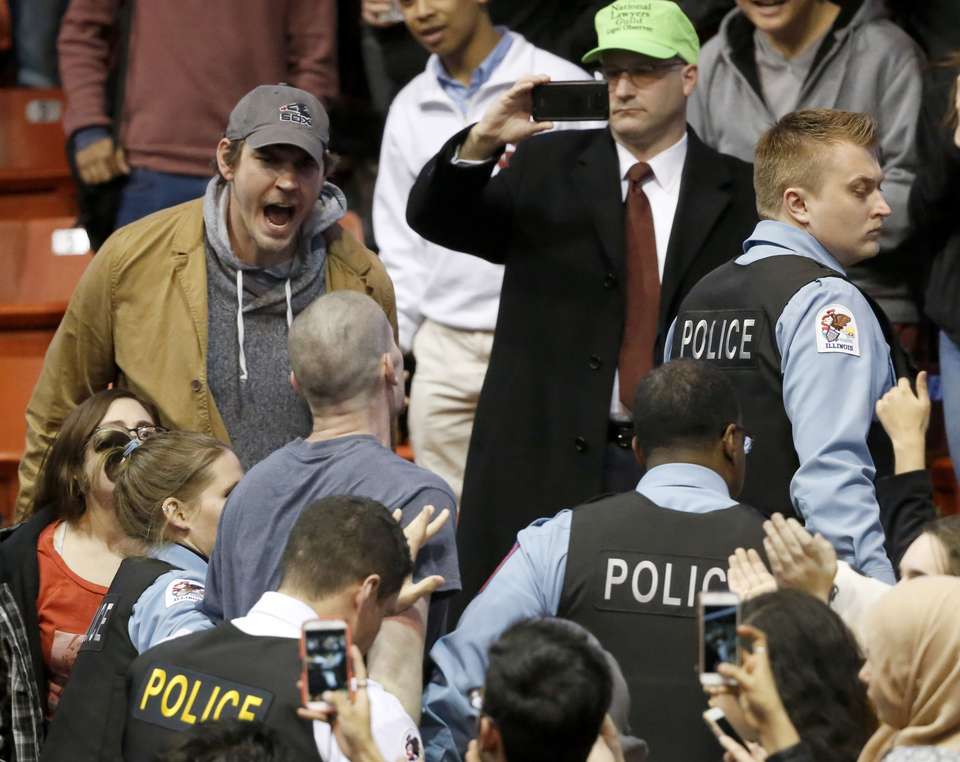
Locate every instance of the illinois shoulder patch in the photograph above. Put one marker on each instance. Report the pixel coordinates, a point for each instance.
(183, 591)
(837, 330)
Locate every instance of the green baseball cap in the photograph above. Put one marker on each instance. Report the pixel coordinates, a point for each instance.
(655, 28)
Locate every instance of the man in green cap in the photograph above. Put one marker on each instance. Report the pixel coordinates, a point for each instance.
(602, 233)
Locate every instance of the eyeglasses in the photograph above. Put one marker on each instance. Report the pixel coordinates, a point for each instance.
(142, 432)
(638, 74)
(747, 439)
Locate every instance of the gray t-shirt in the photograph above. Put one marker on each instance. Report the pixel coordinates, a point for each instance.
(265, 505)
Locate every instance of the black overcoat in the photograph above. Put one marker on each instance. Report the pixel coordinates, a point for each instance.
(554, 217)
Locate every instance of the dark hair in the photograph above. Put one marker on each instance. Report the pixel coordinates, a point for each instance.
(340, 540)
(62, 481)
(685, 402)
(547, 689)
(947, 531)
(815, 660)
(229, 741)
(172, 464)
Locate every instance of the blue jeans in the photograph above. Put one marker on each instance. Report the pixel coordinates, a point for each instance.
(148, 191)
(950, 386)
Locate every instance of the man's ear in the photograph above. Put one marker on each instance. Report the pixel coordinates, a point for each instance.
(638, 453)
(690, 73)
(390, 371)
(367, 592)
(729, 442)
(175, 513)
(795, 205)
(222, 147)
(295, 384)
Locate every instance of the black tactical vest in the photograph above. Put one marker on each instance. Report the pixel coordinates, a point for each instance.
(633, 573)
(88, 725)
(729, 318)
(218, 674)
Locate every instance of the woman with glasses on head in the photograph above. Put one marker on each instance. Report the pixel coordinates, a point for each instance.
(169, 491)
(56, 566)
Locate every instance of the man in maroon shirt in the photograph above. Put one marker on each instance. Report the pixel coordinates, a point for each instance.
(184, 72)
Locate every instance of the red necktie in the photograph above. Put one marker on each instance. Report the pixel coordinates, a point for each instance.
(642, 288)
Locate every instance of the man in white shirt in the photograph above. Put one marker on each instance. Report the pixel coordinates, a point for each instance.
(447, 301)
(346, 559)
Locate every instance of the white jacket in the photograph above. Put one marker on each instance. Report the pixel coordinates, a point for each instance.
(451, 288)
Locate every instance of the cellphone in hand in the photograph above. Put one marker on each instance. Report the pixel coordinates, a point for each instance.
(719, 617)
(577, 101)
(717, 722)
(325, 651)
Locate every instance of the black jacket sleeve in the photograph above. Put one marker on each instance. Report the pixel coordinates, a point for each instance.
(462, 207)
(906, 506)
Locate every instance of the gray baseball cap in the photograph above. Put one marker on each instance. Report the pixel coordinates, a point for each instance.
(279, 114)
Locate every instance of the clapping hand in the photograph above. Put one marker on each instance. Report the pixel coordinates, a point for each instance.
(798, 559)
(747, 576)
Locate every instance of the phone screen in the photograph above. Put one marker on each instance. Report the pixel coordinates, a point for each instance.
(326, 660)
(719, 635)
(570, 101)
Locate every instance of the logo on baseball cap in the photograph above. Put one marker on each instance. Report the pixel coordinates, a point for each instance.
(655, 28)
(279, 114)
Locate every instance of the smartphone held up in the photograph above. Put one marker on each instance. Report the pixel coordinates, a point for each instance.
(718, 615)
(325, 651)
(576, 101)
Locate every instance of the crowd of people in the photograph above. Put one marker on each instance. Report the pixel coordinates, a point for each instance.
(683, 350)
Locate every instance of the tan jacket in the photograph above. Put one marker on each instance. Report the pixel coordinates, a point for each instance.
(138, 319)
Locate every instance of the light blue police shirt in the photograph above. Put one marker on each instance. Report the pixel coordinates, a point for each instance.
(170, 607)
(528, 583)
(830, 398)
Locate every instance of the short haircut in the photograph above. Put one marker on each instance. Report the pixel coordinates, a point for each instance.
(547, 689)
(341, 540)
(685, 403)
(791, 153)
(335, 347)
(229, 741)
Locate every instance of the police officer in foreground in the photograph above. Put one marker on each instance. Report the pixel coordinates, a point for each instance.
(346, 559)
(808, 353)
(626, 567)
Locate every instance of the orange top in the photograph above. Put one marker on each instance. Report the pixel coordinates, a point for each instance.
(66, 604)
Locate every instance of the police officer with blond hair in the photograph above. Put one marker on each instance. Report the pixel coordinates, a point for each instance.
(626, 567)
(808, 352)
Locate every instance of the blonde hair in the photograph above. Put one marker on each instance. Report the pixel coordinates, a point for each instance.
(172, 464)
(791, 152)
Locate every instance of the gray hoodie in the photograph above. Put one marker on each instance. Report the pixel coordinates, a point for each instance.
(865, 63)
(247, 362)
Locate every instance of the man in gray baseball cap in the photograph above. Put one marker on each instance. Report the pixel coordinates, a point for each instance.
(190, 306)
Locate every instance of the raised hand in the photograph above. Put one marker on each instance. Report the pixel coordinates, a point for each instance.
(799, 559)
(747, 576)
(506, 121)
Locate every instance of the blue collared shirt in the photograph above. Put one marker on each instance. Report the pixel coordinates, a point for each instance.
(170, 607)
(529, 583)
(830, 398)
(460, 93)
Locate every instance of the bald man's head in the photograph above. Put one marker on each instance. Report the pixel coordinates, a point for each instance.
(336, 348)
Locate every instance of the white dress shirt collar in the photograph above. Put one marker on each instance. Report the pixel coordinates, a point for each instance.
(667, 166)
(275, 614)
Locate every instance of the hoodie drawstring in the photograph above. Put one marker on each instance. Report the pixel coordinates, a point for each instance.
(243, 356)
